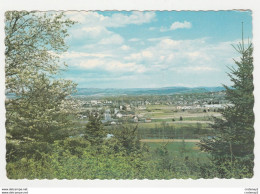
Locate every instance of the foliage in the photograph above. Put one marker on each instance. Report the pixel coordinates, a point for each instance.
(32, 39)
(127, 139)
(94, 131)
(36, 117)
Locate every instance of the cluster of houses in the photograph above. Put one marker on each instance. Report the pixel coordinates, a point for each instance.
(118, 116)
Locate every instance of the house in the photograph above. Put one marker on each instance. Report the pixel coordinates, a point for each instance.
(136, 119)
(141, 107)
(128, 108)
(147, 102)
(119, 115)
(116, 110)
(148, 120)
(179, 107)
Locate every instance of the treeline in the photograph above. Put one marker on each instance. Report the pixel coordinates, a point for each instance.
(167, 131)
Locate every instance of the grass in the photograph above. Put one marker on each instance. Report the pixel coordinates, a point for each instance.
(175, 125)
(174, 149)
(173, 130)
(160, 107)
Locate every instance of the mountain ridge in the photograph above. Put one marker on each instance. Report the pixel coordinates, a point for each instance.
(144, 91)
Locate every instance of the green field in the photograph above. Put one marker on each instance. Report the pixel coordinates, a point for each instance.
(175, 149)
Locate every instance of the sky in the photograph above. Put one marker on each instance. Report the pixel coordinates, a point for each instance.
(152, 49)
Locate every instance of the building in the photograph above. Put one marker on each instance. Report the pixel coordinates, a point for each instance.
(107, 115)
(116, 111)
(128, 108)
(119, 115)
(213, 106)
(147, 120)
(136, 119)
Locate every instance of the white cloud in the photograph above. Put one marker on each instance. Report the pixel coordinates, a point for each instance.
(94, 31)
(145, 54)
(115, 20)
(157, 39)
(125, 47)
(134, 40)
(137, 17)
(111, 65)
(164, 29)
(89, 32)
(83, 54)
(114, 39)
(196, 69)
(152, 28)
(98, 79)
(166, 54)
(185, 55)
(92, 27)
(178, 25)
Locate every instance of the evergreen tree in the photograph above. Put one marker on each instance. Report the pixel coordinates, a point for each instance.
(127, 138)
(232, 147)
(94, 131)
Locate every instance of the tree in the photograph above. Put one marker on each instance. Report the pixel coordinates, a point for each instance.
(94, 131)
(36, 115)
(39, 114)
(127, 138)
(232, 147)
(33, 41)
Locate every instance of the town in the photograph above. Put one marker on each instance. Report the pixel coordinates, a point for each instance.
(146, 109)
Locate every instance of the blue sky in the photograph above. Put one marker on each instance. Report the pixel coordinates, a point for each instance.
(153, 49)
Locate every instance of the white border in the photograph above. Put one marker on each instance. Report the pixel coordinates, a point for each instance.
(45, 5)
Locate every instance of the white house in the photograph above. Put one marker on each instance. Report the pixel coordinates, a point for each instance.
(116, 110)
(119, 115)
(136, 119)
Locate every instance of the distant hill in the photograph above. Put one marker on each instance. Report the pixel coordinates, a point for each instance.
(144, 91)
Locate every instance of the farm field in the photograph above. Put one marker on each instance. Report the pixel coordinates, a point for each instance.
(170, 112)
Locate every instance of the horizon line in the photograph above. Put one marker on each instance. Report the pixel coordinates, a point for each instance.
(155, 87)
